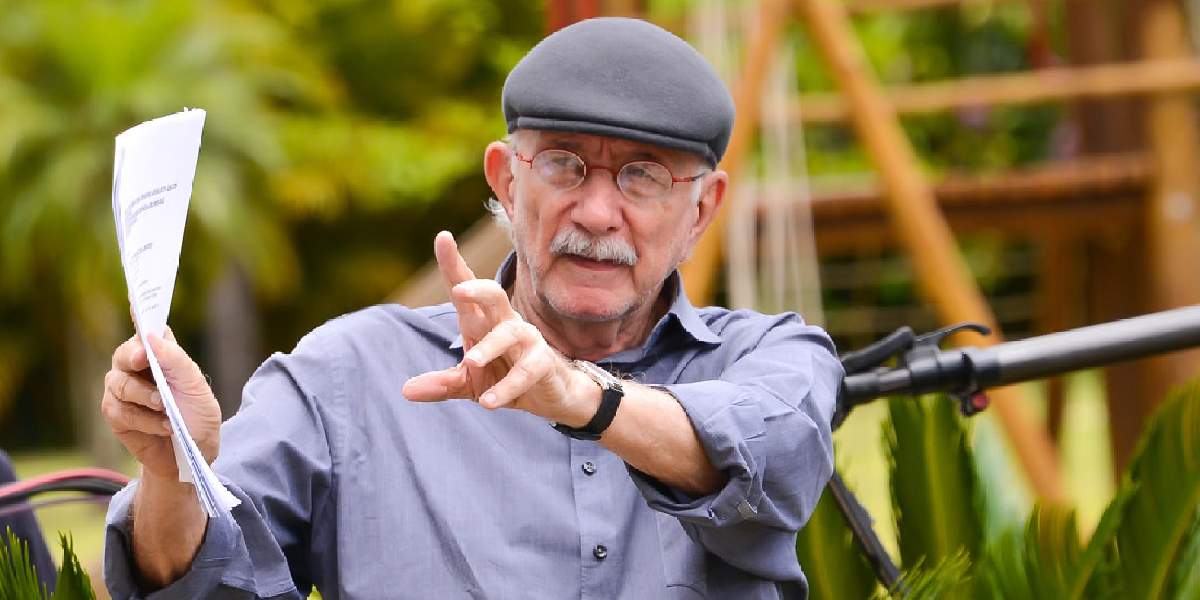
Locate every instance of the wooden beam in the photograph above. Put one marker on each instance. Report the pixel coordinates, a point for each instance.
(1085, 197)
(700, 270)
(868, 228)
(940, 272)
(1129, 174)
(1164, 75)
(484, 246)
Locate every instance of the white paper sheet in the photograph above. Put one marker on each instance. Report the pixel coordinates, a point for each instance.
(153, 171)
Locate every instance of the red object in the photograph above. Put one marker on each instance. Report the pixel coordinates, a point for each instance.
(63, 475)
(980, 401)
(560, 13)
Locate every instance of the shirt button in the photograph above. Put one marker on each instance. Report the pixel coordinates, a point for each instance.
(589, 467)
(600, 552)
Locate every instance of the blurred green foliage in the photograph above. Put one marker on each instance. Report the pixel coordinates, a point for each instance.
(341, 135)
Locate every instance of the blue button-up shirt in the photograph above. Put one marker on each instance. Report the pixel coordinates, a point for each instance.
(347, 486)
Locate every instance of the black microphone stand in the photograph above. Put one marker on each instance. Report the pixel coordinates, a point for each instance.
(922, 367)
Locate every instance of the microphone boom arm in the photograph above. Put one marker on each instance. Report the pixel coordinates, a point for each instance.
(970, 370)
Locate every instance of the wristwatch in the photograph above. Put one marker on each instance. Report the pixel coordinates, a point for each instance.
(610, 400)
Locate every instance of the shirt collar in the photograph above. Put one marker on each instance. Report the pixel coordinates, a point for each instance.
(681, 310)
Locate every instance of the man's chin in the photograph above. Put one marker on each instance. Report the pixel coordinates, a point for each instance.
(588, 312)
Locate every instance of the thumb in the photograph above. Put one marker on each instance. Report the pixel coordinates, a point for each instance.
(181, 372)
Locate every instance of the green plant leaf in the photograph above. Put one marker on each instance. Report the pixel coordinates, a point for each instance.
(18, 577)
(73, 582)
(944, 580)
(1185, 583)
(1053, 549)
(830, 557)
(1158, 529)
(1041, 560)
(1094, 578)
(1002, 571)
(933, 479)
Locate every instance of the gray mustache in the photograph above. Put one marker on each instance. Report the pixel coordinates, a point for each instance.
(577, 243)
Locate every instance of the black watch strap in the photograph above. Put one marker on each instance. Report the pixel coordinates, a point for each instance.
(610, 399)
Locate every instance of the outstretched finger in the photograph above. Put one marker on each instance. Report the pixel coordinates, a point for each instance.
(450, 262)
(435, 386)
(455, 271)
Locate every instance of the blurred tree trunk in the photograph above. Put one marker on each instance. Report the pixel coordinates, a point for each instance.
(92, 336)
(233, 336)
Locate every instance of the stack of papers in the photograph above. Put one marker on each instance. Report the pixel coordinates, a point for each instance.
(153, 170)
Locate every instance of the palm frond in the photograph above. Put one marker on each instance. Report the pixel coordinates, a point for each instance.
(1185, 581)
(1002, 571)
(1158, 529)
(944, 580)
(1095, 577)
(73, 581)
(933, 481)
(1041, 560)
(18, 576)
(1053, 549)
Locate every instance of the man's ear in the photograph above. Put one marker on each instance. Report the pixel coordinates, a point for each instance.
(711, 197)
(497, 168)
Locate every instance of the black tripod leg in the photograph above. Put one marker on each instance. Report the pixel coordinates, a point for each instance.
(860, 525)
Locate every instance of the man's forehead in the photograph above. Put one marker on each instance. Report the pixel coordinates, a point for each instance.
(588, 143)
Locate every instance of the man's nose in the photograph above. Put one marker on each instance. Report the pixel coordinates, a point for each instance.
(598, 205)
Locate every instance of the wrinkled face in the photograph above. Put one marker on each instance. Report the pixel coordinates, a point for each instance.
(591, 253)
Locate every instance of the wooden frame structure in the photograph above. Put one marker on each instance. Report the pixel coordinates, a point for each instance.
(1160, 227)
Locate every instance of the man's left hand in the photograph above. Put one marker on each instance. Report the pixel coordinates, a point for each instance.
(507, 362)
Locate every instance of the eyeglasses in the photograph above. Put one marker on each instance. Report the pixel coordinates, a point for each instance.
(640, 180)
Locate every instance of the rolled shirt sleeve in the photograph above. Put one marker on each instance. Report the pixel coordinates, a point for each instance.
(223, 569)
(762, 410)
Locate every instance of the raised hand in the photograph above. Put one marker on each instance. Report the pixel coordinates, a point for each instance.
(134, 409)
(507, 362)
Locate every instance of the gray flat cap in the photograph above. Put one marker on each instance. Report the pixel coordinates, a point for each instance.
(621, 78)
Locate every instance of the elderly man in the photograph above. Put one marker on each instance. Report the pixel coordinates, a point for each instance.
(374, 462)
